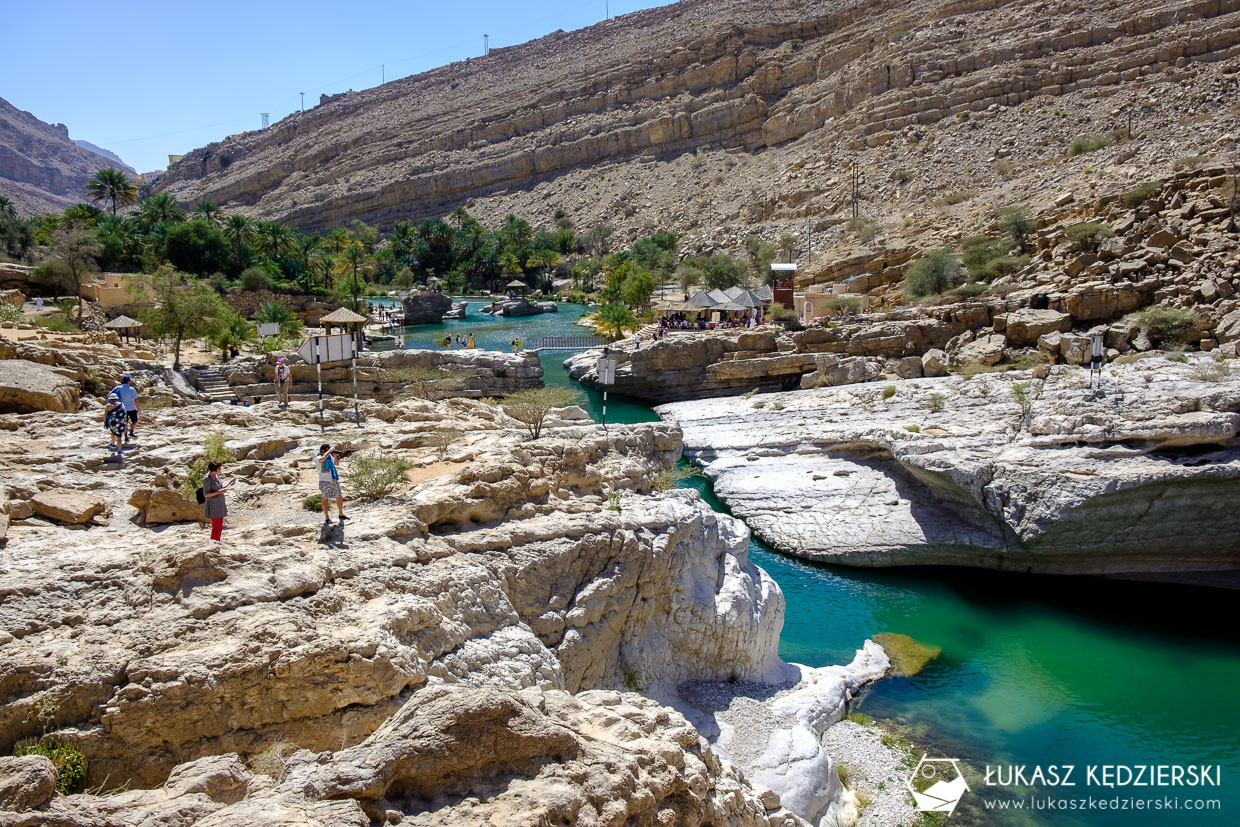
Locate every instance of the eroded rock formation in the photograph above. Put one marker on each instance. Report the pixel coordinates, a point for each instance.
(1000, 471)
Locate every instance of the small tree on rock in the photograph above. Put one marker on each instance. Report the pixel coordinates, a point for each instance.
(933, 273)
(1018, 224)
(186, 309)
(76, 254)
(531, 406)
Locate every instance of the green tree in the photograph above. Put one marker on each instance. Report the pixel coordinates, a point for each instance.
(613, 319)
(196, 247)
(306, 245)
(275, 239)
(722, 271)
(276, 313)
(239, 230)
(1018, 224)
(76, 251)
(933, 273)
(7, 211)
(787, 242)
(637, 289)
(231, 331)
(210, 212)
(688, 278)
(357, 260)
(112, 185)
(185, 308)
(159, 208)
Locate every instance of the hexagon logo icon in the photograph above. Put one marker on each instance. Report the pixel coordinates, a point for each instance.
(937, 784)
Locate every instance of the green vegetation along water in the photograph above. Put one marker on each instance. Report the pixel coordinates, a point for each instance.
(1033, 671)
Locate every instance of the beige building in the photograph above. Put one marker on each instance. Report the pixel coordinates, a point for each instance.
(113, 290)
(815, 302)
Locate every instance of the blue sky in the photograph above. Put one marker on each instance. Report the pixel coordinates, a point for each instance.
(146, 79)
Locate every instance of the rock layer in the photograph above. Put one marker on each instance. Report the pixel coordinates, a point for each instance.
(1002, 472)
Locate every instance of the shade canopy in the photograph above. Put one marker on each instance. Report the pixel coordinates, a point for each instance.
(719, 296)
(122, 322)
(342, 315)
(765, 293)
(702, 299)
(515, 283)
(747, 299)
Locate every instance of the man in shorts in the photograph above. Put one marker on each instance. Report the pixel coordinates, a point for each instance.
(128, 395)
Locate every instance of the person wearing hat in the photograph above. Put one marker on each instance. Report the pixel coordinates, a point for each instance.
(116, 422)
(329, 483)
(284, 381)
(128, 395)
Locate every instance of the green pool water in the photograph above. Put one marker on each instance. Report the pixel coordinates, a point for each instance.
(1033, 670)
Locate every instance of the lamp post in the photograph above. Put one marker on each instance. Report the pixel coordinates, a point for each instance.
(606, 377)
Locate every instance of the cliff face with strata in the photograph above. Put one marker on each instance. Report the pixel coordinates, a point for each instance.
(714, 117)
(41, 169)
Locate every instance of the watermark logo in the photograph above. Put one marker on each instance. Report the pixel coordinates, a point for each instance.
(937, 785)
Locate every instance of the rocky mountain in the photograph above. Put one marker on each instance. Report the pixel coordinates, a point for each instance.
(41, 169)
(717, 118)
(106, 153)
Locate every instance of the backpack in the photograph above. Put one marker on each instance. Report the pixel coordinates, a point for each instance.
(200, 495)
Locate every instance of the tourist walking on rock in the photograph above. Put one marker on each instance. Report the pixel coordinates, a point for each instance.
(116, 422)
(214, 507)
(128, 395)
(329, 483)
(284, 382)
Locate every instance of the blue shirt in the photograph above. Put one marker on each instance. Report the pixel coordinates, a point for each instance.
(128, 394)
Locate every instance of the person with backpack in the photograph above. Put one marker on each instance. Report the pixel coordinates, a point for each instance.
(115, 420)
(284, 382)
(128, 395)
(329, 483)
(212, 497)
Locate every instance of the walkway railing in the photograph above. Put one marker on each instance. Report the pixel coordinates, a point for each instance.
(565, 343)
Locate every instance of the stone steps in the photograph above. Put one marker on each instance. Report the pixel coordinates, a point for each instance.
(213, 385)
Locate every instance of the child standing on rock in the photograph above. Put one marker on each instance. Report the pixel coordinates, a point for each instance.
(329, 483)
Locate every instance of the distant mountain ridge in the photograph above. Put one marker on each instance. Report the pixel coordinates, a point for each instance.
(106, 153)
(41, 169)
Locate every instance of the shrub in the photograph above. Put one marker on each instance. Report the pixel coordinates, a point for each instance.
(969, 290)
(845, 303)
(935, 402)
(958, 197)
(273, 760)
(212, 450)
(1136, 196)
(374, 475)
(913, 429)
(1209, 372)
(1191, 161)
(225, 158)
(71, 764)
(531, 406)
(978, 253)
(1166, 325)
(933, 273)
(779, 313)
(255, 278)
(902, 176)
(11, 313)
(1018, 224)
(868, 232)
(1086, 236)
(443, 439)
(889, 391)
(57, 324)
(312, 503)
(1083, 144)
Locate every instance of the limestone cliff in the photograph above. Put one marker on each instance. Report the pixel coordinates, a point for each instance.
(998, 471)
(716, 117)
(41, 170)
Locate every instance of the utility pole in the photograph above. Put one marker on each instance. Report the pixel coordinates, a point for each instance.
(486, 45)
(856, 186)
(303, 101)
(382, 74)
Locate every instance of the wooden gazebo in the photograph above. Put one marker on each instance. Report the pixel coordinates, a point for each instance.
(124, 326)
(517, 284)
(348, 321)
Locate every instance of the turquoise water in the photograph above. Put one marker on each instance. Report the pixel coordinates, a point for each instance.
(1033, 670)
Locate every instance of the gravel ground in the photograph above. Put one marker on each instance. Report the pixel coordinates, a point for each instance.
(745, 707)
(875, 771)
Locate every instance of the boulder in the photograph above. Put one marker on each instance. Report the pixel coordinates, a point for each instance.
(14, 297)
(27, 387)
(65, 506)
(1025, 326)
(908, 368)
(26, 782)
(934, 363)
(986, 350)
(1074, 347)
(1228, 328)
(157, 506)
(426, 308)
(1163, 239)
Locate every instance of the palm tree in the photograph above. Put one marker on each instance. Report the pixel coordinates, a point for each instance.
(460, 216)
(274, 312)
(112, 185)
(355, 257)
(275, 239)
(509, 264)
(327, 263)
(306, 245)
(613, 319)
(210, 212)
(542, 260)
(234, 332)
(337, 239)
(7, 210)
(239, 229)
(159, 208)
